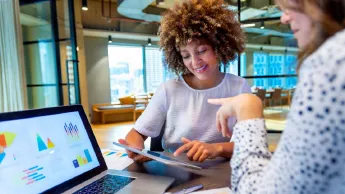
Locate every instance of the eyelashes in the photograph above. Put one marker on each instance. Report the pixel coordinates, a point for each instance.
(199, 52)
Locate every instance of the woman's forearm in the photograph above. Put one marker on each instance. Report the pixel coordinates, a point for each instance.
(225, 149)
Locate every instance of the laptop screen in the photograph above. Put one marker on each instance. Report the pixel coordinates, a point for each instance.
(42, 152)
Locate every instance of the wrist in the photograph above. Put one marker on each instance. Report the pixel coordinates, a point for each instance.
(219, 149)
(250, 110)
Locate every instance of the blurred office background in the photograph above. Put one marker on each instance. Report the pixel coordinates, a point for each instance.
(99, 52)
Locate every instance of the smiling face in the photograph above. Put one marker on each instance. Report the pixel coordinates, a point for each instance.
(200, 59)
(300, 23)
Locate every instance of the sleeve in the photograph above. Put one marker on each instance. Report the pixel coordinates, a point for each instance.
(152, 119)
(250, 154)
(310, 156)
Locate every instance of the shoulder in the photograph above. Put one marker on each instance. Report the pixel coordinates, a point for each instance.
(321, 82)
(173, 82)
(334, 43)
(172, 85)
(234, 79)
(329, 55)
(234, 85)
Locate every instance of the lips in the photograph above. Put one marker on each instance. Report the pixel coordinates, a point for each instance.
(200, 69)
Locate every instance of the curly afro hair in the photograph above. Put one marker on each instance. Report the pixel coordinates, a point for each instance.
(210, 20)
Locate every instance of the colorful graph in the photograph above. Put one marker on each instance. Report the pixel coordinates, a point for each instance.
(6, 140)
(41, 145)
(118, 153)
(82, 160)
(72, 132)
(33, 174)
(2, 156)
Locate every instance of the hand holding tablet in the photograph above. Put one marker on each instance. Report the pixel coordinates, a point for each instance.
(156, 156)
(136, 157)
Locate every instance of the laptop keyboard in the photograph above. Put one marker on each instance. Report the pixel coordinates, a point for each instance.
(107, 184)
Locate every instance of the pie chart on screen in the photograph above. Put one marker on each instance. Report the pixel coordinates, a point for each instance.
(6, 140)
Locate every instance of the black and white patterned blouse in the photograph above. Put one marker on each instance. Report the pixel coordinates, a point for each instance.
(310, 157)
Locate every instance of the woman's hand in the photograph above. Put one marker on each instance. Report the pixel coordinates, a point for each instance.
(136, 157)
(198, 151)
(135, 139)
(243, 107)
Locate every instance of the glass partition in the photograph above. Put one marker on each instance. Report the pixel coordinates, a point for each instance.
(258, 9)
(39, 54)
(48, 50)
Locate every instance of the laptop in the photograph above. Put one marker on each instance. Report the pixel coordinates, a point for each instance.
(53, 150)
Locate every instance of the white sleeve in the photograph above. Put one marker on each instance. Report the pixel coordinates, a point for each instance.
(152, 119)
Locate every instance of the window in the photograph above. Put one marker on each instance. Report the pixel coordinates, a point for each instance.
(133, 75)
(260, 68)
(271, 53)
(154, 68)
(232, 67)
(126, 70)
(156, 71)
(274, 64)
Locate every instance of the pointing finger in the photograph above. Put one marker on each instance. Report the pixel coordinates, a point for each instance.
(218, 101)
(224, 125)
(185, 140)
(219, 127)
(183, 148)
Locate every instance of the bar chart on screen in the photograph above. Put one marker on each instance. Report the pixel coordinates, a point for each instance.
(82, 159)
(72, 132)
(32, 175)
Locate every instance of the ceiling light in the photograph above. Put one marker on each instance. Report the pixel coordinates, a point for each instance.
(110, 39)
(262, 25)
(84, 5)
(159, 2)
(247, 25)
(149, 42)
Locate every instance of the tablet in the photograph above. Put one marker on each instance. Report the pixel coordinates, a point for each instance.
(159, 157)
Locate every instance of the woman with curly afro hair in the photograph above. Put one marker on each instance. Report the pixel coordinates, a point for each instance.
(197, 36)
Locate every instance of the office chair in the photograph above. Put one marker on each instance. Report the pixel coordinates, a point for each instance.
(156, 143)
(276, 96)
(261, 93)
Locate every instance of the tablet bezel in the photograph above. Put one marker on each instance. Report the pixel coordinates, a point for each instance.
(170, 161)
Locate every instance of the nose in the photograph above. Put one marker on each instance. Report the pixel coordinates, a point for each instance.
(195, 60)
(286, 17)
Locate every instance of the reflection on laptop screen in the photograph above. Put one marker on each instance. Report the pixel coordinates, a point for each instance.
(42, 152)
